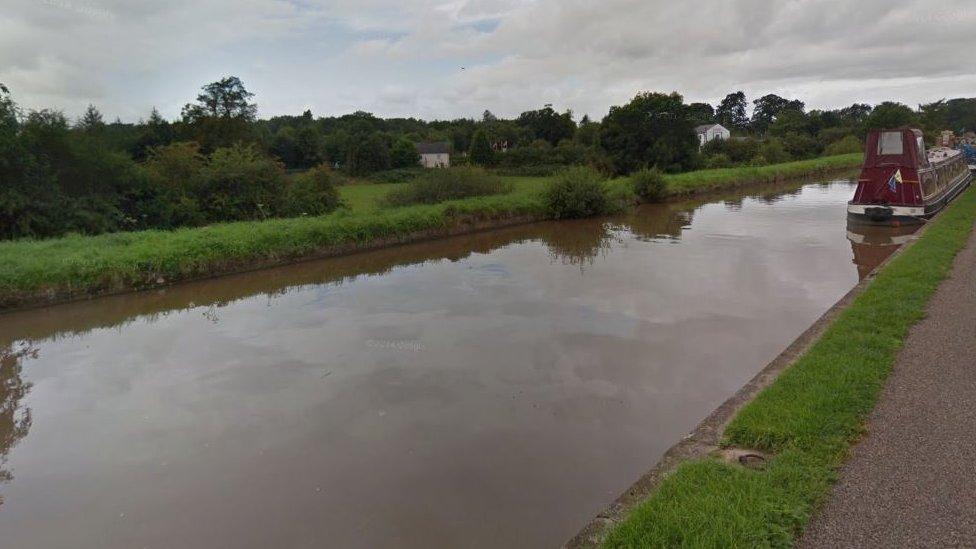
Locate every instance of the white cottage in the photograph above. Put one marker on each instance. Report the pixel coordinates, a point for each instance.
(709, 132)
(434, 155)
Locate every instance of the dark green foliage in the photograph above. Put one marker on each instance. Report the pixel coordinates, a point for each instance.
(576, 192)
(481, 152)
(845, 145)
(649, 184)
(731, 112)
(889, 115)
(738, 151)
(719, 160)
(769, 107)
(222, 116)
(800, 145)
(701, 113)
(772, 151)
(397, 175)
(549, 125)
(436, 186)
(368, 154)
(314, 192)
(403, 154)
(241, 183)
(652, 130)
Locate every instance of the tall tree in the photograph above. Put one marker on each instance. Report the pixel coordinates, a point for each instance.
(652, 130)
(547, 124)
(890, 115)
(91, 121)
(222, 114)
(731, 112)
(481, 151)
(768, 107)
(701, 113)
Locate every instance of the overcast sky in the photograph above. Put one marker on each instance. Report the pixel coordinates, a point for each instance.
(443, 59)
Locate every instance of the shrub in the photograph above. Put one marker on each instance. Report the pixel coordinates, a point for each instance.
(242, 184)
(772, 152)
(399, 175)
(311, 193)
(448, 184)
(849, 144)
(577, 192)
(545, 170)
(720, 160)
(649, 184)
(403, 154)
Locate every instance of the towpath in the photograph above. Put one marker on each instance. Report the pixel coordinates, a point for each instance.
(912, 481)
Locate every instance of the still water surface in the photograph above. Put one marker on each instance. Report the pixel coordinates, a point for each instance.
(491, 390)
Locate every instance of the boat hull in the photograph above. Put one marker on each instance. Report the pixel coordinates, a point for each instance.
(877, 214)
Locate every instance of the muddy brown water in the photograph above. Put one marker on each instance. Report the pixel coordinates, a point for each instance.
(490, 390)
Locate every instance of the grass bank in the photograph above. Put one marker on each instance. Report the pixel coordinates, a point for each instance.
(47, 271)
(806, 420)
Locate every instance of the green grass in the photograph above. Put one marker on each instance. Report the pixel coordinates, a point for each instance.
(79, 265)
(807, 419)
(725, 177)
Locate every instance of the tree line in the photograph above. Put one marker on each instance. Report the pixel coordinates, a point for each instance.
(219, 162)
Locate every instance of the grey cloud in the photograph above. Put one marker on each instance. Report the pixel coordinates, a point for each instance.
(405, 57)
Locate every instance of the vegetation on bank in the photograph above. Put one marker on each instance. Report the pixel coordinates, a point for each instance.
(78, 265)
(448, 184)
(806, 420)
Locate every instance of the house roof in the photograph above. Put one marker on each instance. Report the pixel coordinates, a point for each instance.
(442, 147)
(705, 127)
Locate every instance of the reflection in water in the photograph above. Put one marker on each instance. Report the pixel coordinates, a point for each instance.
(872, 244)
(494, 389)
(15, 418)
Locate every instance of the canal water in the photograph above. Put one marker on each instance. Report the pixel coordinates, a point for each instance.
(490, 390)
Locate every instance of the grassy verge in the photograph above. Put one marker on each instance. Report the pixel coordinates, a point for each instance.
(56, 269)
(807, 419)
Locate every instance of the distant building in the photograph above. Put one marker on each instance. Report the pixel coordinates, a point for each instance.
(710, 132)
(434, 155)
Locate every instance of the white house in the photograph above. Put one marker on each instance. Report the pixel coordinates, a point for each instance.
(434, 155)
(709, 132)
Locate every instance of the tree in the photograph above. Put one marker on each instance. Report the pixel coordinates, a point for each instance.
(701, 113)
(547, 124)
(225, 98)
(91, 121)
(890, 115)
(961, 114)
(652, 130)
(222, 114)
(481, 152)
(156, 132)
(368, 153)
(768, 107)
(588, 133)
(731, 112)
(403, 154)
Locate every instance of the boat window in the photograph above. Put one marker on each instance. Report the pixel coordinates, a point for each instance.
(921, 149)
(890, 143)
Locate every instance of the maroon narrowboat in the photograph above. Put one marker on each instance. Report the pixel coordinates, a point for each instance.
(902, 182)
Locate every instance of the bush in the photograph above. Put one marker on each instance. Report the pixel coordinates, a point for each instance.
(242, 184)
(399, 175)
(720, 160)
(649, 184)
(448, 184)
(311, 193)
(849, 144)
(772, 152)
(577, 192)
(545, 170)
